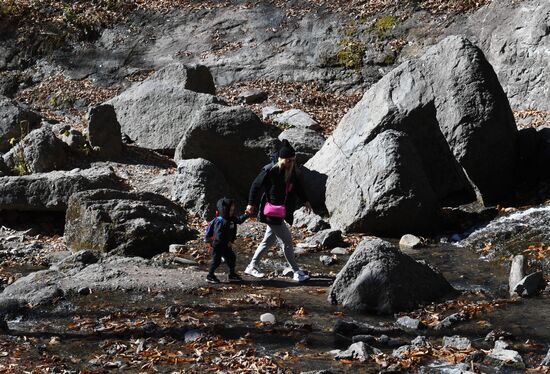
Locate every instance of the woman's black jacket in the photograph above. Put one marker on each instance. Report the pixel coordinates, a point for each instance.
(270, 186)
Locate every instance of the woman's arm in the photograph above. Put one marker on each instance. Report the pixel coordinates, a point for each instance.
(256, 189)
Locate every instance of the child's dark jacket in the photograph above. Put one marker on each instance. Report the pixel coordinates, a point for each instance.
(223, 230)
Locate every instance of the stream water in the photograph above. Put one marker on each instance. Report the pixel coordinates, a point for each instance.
(90, 327)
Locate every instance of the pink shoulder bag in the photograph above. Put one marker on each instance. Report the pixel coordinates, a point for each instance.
(277, 211)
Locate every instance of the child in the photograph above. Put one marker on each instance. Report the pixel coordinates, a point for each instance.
(220, 234)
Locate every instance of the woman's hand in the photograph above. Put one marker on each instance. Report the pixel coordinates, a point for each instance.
(250, 209)
(308, 207)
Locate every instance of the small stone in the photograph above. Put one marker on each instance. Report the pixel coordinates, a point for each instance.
(327, 260)
(457, 342)
(270, 111)
(172, 312)
(193, 335)
(517, 273)
(420, 342)
(84, 291)
(54, 340)
(339, 251)
(297, 118)
(357, 351)
(408, 323)
(185, 261)
(531, 285)
(267, 318)
(176, 248)
(253, 96)
(449, 321)
(326, 239)
(410, 241)
(505, 357)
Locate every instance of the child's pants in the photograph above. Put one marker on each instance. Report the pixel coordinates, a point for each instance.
(227, 253)
(270, 238)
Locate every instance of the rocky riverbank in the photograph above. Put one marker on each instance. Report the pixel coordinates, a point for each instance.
(424, 123)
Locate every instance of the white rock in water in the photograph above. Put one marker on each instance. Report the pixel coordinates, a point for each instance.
(410, 241)
(339, 251)
(267, 318)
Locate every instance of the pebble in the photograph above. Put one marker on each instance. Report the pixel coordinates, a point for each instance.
(327, 260)
(410, 241)
(339, 251)
(84, 291)
(267, 318)
(176, 248)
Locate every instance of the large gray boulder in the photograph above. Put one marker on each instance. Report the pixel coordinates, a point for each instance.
(198, 186)
(232, 138)
(515, 37)
(118, 222)
(40, 151)
(380, 278)
(429, 134)
(104, 130)
(156, 112)
(12, 119)
(51, 191)
(306, 142)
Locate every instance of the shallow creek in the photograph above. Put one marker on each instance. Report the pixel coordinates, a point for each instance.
(110, 331)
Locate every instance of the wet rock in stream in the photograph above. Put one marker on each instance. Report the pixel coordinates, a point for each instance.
(380, 278)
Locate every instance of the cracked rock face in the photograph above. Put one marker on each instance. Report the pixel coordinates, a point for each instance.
(433, 132)
(516, 40)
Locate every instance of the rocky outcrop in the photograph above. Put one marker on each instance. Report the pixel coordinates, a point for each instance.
(198, 186)
(119, 222)
(515, 37)
(104, 130)
(40, 151)
(232, 138)
(51, 191)
(156, 112)
(429, 134)
(13, 118)
(379, 278)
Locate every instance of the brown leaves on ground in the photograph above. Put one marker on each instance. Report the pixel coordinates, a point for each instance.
(531, 118)
(327, 108)
(434, 313)
(57, 92)
(537, 251)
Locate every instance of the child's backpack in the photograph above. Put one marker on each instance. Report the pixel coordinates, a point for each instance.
(209, 234)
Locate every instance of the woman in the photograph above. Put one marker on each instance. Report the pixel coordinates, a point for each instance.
(280, 185)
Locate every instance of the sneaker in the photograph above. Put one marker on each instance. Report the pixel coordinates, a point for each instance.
(300, 276)
(253, 271)
(234, 277)
(211, 278)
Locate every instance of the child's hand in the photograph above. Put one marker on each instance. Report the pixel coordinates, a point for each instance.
(209, 245)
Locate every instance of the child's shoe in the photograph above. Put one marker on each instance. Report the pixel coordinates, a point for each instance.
(300, 276)
(234, 277)
(211, 278)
